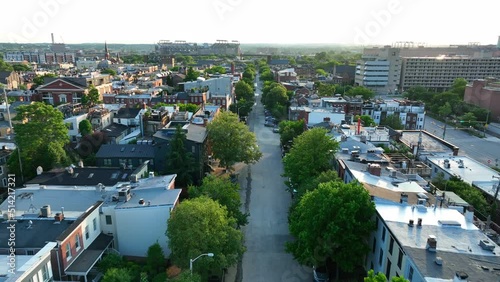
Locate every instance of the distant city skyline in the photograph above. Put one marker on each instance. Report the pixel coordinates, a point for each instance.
(362, 22)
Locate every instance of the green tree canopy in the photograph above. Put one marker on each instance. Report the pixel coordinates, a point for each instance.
(155, 260)
(46, 147)
(311, 154)
(85, 127)
(111, 72)
(40, 79)
(199, 226)
(327, 220)
(445, 110)
(92, 97)
(380, 277)
(243, 90)
(458, 87)
(289, 129)
(226, 193)
(362, 91)
(216, 69)
(321, 72)
(393, 122)
(231, 141)
(366, 119)
(5, 66)
(468, 119)
(21, 67)
(192, 74)
(325, 90)
(117, 275)
(180, 161)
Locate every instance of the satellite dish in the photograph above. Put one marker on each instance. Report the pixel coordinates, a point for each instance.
(39, 170)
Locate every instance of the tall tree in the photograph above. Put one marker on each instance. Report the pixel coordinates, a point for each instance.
(231, 141)
(327, 220)
(393, 122)
(85, 127)
(243, 90)
(226, 193)
(192, 74)
(155, 260)
(199, 226)
(458, 86)
(325, 90)
(366, 119)
(40, 79)
(289, 129)
(362, 91)
(380, 277)
(41, 139)
(4, 66)
(92, 97)
(179, 160)
(311, 154)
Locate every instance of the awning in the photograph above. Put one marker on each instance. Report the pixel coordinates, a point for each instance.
(90, 256)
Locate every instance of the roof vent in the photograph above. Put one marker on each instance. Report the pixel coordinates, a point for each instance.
(410, 223)
(460, 276)
(141, 202)
(45, 211)
(486, 245)
(438, 261)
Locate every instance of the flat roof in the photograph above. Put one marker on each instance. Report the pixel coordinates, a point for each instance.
(89, 257)
(472, 172)
(35, 235)
(398, 184)
(152, 198)
(430, 142)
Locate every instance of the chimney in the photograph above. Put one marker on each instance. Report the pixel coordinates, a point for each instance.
(80, 163)
(403, 198)
(52, 36)
(59, 217)
(461, 276)
(431, 243)
(469, 214)
(419, 222)
(374, 169)
(410, 223)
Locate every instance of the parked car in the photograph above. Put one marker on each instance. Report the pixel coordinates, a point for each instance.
(276, 130)
(269, 124)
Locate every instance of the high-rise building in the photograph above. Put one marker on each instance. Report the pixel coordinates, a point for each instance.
(380, 71)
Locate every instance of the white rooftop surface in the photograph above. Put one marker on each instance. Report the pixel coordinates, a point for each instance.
(384, 181)
(458, 239)
(151, 197)
(4, 265)
(473, 172)
(77, 199)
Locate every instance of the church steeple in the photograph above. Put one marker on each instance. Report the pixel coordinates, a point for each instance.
(106, 51)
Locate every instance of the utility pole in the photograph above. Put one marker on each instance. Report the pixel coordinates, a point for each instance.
(12, 131)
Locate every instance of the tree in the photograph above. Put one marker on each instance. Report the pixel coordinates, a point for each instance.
(179, 160)
(393, 122)
(85, 127)
(445, 110)
(325, 90)
(21, 67)
(117, 275)
(226, 193)
(109, 261)
(324, 177)
(111, 72)
(249, 74)
(4, 66)
(367, 120)
(40, 79)
(311, 154)
(290, 129)
(46, 147)
(155, 260)
(276, 99)
(243, 90)
(362, 91)
(216, 69)
(327, 220)
(231, 141)
(185, 276)
(321, 72)
(192, 74)
(199, 226)
(458, 86)
(242, 107)
(380, 277)
(469, 119)
(92, 97)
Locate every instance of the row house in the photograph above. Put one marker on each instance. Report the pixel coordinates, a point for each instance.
(11, 79)
(99, 118)
(411, 114)
(285, 75)
(131, 100)
(196, 97)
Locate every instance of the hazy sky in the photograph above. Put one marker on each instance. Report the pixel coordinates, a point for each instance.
(363, 22)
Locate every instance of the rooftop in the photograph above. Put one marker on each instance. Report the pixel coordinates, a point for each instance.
(32, 236)
(86, 176)
(126, 151)
(446, 225)
(114, 130)
(430, 142)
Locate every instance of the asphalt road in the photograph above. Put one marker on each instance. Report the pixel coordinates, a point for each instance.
(480, 149)
(267, 231)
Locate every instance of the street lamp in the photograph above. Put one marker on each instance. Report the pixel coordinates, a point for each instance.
(193, 260)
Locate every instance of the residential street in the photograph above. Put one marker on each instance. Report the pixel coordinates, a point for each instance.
(265, 235)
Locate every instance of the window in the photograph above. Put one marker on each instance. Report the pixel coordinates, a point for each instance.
(87, 232)
(68, 251)
(107, 162)
(30, 253)
(410, 274)
(383, 234)
(388, 268)
(391, 245)
(77, 242)
(374, 245)
(94, 223)
(381, 256)
(400, 258)
(45, 273)
(108, 220)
